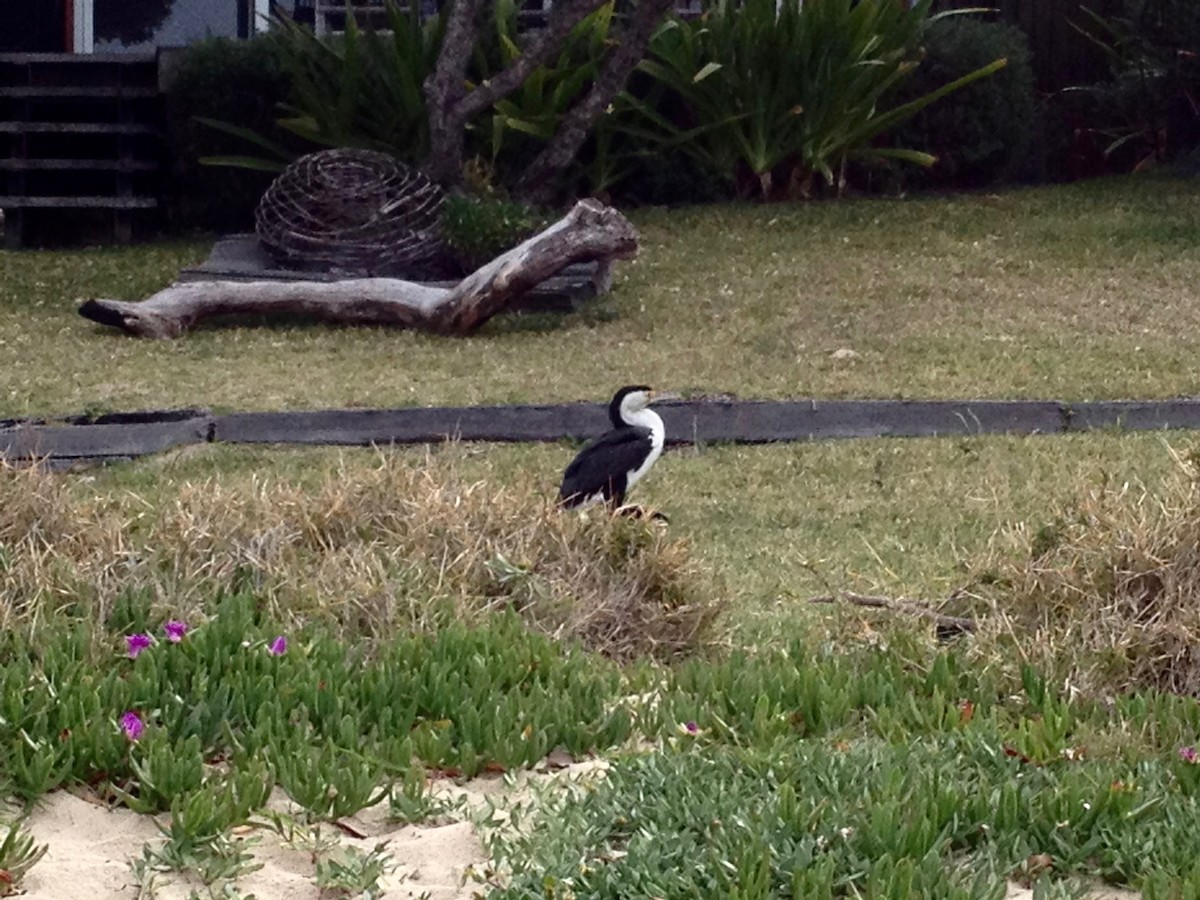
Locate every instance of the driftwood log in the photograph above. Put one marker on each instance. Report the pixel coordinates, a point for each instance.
(590, 231)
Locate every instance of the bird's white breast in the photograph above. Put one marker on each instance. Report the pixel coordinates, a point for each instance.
(647, 418)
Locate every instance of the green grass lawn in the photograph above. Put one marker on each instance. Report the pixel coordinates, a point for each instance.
(816, 752)
(1076, 292)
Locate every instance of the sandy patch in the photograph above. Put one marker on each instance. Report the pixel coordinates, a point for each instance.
(1017, 892)
(91, 847)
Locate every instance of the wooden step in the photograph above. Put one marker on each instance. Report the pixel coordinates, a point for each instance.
(77, 202)
(75, 128)
(80, 92)
(77, 165)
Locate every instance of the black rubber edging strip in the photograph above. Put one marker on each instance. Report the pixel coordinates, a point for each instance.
(686, 422)
(126, 435)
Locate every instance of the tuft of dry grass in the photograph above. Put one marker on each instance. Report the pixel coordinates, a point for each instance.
(371, 551)
(1106, 595)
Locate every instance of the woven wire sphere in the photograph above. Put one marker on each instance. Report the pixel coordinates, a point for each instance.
(352, 211)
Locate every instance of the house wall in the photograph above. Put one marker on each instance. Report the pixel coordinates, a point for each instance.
(144, 25)
(123, 26)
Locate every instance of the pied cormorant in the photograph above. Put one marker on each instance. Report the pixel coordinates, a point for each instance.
(609, 466)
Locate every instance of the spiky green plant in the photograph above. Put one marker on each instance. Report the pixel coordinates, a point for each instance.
(18, 854)
(361, 89)
(531, 113)
(770, 96)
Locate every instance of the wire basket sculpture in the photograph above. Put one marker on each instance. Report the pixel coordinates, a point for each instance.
(353, 212)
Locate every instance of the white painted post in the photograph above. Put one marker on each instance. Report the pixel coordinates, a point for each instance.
(262, 15)
(84, 38)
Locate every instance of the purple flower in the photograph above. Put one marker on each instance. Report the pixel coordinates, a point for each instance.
(132, 725)
(175, 631)
(1189, 755)
(136, 643)
(691, 728)
(277, 647)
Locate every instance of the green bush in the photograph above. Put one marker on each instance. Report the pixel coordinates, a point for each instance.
(1147, 109)
(519, 125)
(776, 97)
(364, 88)
(985, 133)
(478, 229)
(241, 82)
(649, 174)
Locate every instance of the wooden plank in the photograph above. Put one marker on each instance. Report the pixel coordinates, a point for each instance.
(78, 202)
(98, 441)
(80, 165)
(75, 128)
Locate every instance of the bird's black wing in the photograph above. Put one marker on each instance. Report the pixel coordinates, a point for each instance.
(602, 466)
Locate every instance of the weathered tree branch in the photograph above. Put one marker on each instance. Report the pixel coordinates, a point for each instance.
(540, 179)
(451, 106)
(954, 624)
(590, 231)
(543, 45)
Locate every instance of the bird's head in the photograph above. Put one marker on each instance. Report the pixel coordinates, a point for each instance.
(633, 399)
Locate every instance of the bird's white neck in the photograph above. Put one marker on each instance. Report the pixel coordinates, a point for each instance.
(648, 418)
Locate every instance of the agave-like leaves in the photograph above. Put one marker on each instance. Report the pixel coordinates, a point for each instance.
(362, 89)
(766, 86)
(535, 108)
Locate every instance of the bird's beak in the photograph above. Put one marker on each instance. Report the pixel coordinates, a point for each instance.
(657, 396)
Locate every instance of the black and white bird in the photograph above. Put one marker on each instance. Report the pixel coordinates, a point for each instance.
(609, 466)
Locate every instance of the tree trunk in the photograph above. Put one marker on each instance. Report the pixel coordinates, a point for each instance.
(543, 176)
(451, 106)
(444, 91)
(588, 232)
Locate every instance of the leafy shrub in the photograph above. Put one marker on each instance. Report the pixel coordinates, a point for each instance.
(359, 89)
(522, 122)
(1148, 107)
(985, 133)
(477, 229)
(363, 89)
(669, 179)
(241, 82)
(646, 171)
(772, 97)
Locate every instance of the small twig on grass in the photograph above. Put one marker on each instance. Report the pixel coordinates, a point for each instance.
(946, 624)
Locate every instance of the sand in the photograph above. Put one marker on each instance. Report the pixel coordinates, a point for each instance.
(91, 847)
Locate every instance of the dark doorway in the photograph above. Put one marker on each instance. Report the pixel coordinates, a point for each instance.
(33, 26)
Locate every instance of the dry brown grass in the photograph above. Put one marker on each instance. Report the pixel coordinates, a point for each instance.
(371, 551)
(1107, 595)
